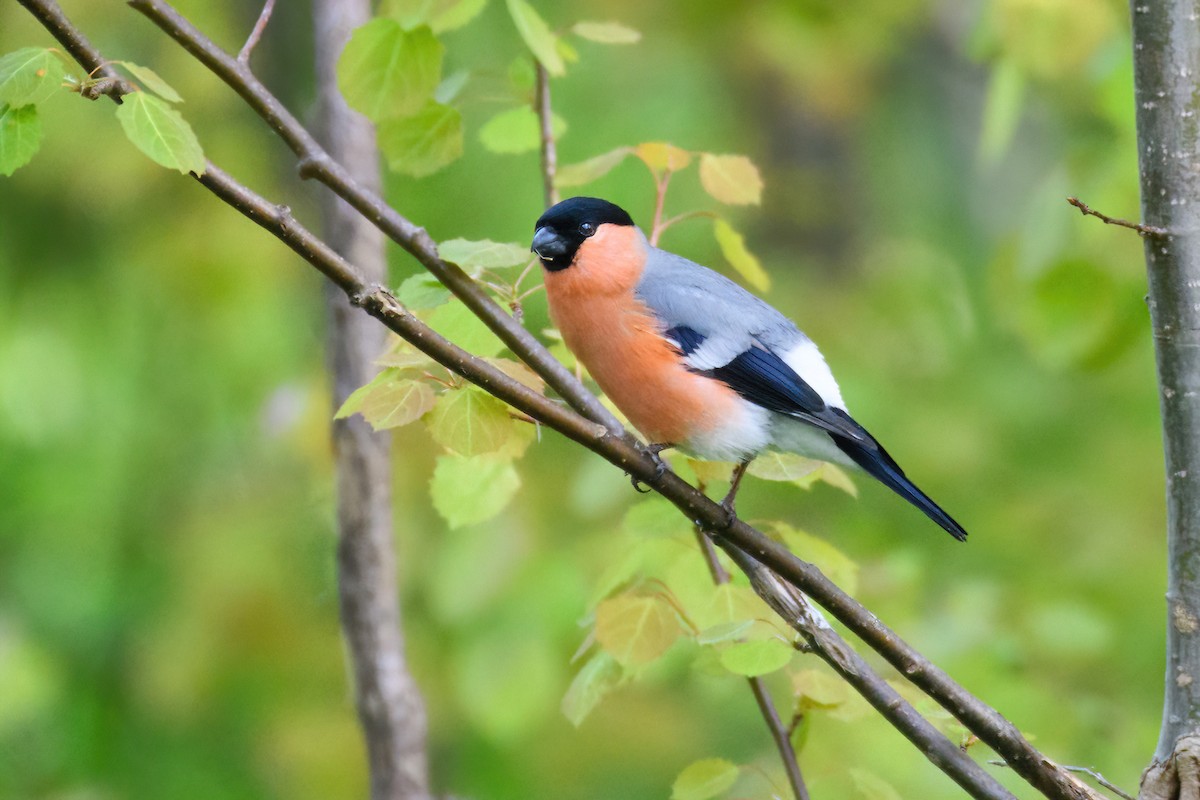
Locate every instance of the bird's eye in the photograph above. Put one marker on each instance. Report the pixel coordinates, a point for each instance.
(587, 228)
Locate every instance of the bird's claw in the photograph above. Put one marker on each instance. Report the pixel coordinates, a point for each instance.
(660, 467)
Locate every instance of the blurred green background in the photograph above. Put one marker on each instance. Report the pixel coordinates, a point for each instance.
(168, 610)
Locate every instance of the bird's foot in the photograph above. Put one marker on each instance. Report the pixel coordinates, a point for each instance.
(660, 466)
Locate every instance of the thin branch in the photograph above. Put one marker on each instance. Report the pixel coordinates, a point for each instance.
(1144, 230)
(546, 125)
(608, 441)
(779, 732)
(243, 56)
(315, 162)
(660, 198)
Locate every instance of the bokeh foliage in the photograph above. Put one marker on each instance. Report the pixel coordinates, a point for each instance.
(168, 620)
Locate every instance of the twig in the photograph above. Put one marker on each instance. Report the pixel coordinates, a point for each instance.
(660, 198)
(607, 440)
(243, 56)
(779, 733)
(390, 708)
(546, 125)
(1144, 230)
(1096, 776)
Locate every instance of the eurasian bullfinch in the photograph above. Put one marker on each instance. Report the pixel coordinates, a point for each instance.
(694, 360)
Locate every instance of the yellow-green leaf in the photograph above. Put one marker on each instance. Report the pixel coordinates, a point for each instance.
(28, 76)
(654, 516)
(599, 676)
(519, 372)
(733, 247)
(387, 72)
(423, 143)
(710, 472)
(439, 15)
(591, 169)
(816, 689)
(724, 631)
(468, 490)
(702, 780)
(422, 291)
(659, 156)
(20, 137)
(397, 403)
(160, 132)
(733, 602)
(731, 179)
(470, 422)
(757, 657)
(150, 80)
(537, 35)
(606, 32)
(775, 466)
(460, 325)
(484, 254)
(517, 130)
(636, 630)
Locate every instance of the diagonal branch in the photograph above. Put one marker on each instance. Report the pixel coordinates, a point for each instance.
(541, 103)
(315, 162)
(609, 441)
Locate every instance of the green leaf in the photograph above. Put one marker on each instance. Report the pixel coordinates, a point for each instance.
(816, 689)
(710, 472)
(660, 156)
(422, 291)
(29, 76)
(776, 466)
(838, 478)
(484, 254)
(460, 325)
(468, 490)
(422, 144)
(701, 780)
(471, 422)
(599, 676)
(20, 137)
(606, 32)
(151, 81)
(734, 603)
(517, 130)
(404, 355)
(160, 132)
(636, 630)
(519, 372)
(537, 35)
(757, 657)
(397, 403)
(731, 179)
(724, 631)
(387, 72)
(655, 517)
(839, 567)
(1001, 110)
(588, 171)
(871, 786)
(439, 15)
(733, 247)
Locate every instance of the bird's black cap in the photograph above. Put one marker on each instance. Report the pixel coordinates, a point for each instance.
(560, 231)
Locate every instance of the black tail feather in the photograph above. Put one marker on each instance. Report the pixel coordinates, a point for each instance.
(877, 463)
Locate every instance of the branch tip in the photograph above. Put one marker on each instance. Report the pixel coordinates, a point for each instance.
(1142, 229)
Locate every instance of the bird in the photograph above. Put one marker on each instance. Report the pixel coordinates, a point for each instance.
(693, 360)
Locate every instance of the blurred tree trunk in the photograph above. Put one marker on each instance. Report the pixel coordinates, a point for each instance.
(390, 707)
(1166, 37)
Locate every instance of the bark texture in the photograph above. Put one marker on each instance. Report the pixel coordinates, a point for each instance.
(1166, 42)
(390, 707)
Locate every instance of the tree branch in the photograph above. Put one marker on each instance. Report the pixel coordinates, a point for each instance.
(315, 162)
(391, 710)
(609, 441)
(541, 104)
(1088, 211)
(264, 17)
(1166, 62)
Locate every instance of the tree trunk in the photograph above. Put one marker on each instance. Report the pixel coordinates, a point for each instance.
(390, 707)
(1166, 37)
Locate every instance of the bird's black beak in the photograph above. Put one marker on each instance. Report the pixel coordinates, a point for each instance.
(548, 245)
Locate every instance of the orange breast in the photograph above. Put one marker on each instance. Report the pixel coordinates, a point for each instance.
(618, 340)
